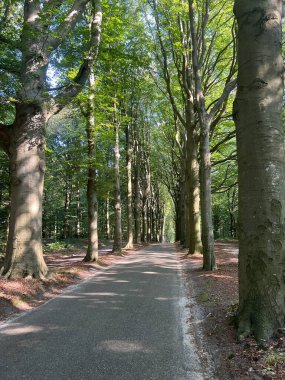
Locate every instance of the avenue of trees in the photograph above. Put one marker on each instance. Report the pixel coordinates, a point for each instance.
(142, 121)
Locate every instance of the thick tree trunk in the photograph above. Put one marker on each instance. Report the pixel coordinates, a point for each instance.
(26, 146)
(92, 204)
(117, 246)
(260, 141)
(24, 254)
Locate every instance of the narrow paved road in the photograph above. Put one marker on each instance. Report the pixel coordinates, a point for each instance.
(125, 323)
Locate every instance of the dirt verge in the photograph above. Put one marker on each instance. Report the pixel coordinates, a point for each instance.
(216, 295)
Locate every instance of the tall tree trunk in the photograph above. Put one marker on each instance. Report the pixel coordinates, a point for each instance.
(195, 243)
(24, 255)
(260, 142)
(92, 204)
(67, 202)
(78, 212)
(92, 253)
(182, 211)
(177, 220)
(25, 140)
(186, 214)
(144, 221)
(107, 231)
(129, 157)
(137, 213)
(209, 262)
(117, 246)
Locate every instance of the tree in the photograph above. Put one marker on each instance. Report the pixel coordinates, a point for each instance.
(117, 246)
(193, 61)
(95, 36)
(129, 162)
(260, 148)
(45, 28)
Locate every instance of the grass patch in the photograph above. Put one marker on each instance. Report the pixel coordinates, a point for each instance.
(58, 246)
(273, 358)
(202, 297)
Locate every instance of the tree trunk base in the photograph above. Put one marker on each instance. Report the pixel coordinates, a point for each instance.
(210, 268)
(129, 246)
(18, 271)
(89, 259)
(118, 252)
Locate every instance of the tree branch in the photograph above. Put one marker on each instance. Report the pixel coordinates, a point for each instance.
(227, 90)
(231, 157)
(228, 137)
(69, 92)
(63, 30)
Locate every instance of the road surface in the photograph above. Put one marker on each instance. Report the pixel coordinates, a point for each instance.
(125, 323)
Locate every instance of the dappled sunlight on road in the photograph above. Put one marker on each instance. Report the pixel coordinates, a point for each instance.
(17, 329)
(125, 319)
(122, 346)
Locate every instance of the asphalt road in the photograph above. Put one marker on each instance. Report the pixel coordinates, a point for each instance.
(125, 323)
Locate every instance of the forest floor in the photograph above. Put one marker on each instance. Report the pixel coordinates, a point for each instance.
(215, 295)
(216, 299)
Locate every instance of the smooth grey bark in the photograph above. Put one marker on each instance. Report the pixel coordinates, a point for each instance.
(24, 140)
(260, 142)
(117, 246)
(92, 253)
(195, 242)
(24, 255)
(205, 156)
